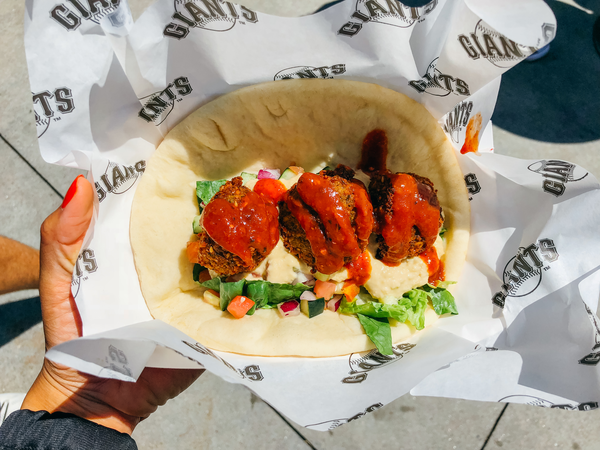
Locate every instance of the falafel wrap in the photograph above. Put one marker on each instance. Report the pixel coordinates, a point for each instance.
(306, 123)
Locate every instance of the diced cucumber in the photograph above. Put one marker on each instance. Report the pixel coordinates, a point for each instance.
(248, 176)
(287, 174)
(321, 276)
(312, 308)
(196, 226)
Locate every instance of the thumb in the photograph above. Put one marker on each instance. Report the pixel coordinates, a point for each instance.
(62, 235)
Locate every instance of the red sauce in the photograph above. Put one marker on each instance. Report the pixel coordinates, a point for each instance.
(325, 261)
(471, 144)
(238, 227)
(364, 211)
(359, 270)
(374, 152)
(408, 210)
(270, 189)
(435, 267)
(332, 240)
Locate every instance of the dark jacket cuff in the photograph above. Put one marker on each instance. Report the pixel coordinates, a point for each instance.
(29, 430)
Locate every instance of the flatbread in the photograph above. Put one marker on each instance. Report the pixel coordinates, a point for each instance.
(272, 125)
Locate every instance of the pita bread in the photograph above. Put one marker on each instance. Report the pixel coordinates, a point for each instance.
(272, 125)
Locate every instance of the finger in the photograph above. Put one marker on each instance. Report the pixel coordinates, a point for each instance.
(153, 388)
(62, 234)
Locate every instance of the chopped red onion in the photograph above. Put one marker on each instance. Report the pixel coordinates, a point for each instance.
(291, 308)
(305, 278)
(308, 295)
(300, 278)
(269, 173)
(334, 303)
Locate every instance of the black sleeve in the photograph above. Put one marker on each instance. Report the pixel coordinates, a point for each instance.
(40, 430)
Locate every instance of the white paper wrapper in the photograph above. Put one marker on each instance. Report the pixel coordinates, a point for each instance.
(106, 91)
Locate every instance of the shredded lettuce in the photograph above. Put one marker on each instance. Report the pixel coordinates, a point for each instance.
(410, 307)
(415, 302)
(379, 331)
(227, 291)
(265, 293)
(214, 284)
(205, 190)
(441, 299)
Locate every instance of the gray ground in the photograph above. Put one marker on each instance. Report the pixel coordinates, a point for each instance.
(546, 109)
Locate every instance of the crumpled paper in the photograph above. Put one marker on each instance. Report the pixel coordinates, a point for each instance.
(106, 91)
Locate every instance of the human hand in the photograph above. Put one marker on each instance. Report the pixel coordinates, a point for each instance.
(112, 403)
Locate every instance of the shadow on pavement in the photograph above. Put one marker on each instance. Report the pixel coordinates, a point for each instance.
(557, 98)
(17, 317)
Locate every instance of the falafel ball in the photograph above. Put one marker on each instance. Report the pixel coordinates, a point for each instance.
(330, 228)
(245, 225)
(407, 212)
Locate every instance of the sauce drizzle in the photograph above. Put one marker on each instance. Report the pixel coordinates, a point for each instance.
(332, 238)
(364, 211)
(246, 224)
(359, 270)
(409, 209)
(374, 152)
(435, 267)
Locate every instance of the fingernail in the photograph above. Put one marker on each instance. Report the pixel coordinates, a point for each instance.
(70, 193)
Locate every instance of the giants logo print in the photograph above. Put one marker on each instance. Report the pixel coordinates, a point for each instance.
(70, 14)
(557, 174)
(206, 351)
(296, 72)
(388, 12)
(536, 401)
(210, 15)
(439, 84)
(46, 104)
(523, 273)
(485, 42)
(593, 358)
(118, 178)
(457, 119)
(84, 266)
(117, 361)
(360, 366)
(473, 186)
(337, 422)
(159, 105)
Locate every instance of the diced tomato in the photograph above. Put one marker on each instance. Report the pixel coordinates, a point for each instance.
(269, 188)
(324, 289)
(193, 249)
(350, 292)
(239, 306)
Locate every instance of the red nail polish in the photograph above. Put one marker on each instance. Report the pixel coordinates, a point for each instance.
(70, 193)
